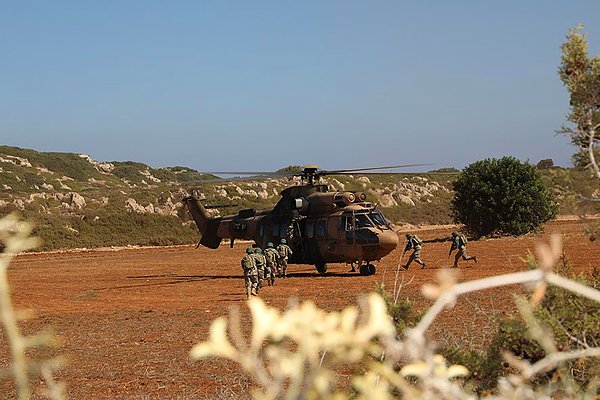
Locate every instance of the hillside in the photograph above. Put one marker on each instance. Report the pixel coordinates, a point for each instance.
(76, 201)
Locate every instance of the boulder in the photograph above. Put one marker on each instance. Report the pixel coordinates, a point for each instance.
(76, 200)
(133, 206)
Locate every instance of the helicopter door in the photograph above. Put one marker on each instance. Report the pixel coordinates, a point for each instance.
(310, 248)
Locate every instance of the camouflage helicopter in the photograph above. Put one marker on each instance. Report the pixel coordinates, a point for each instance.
(320, 226)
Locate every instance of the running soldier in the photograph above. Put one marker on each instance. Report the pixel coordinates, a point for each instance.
(413, 242)
(250, 273)
(261, 263)
(459, 242)
(271, 255)
(284, 253)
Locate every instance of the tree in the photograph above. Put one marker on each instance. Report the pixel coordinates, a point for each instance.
(581, 75)
(290, 168)
(505, 197)
(545, 163)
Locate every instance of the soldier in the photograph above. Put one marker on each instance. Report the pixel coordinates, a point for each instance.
(261, 263)
(413, 242)
(250, 273)
(271, 255)
(284, 253)
(459, 242)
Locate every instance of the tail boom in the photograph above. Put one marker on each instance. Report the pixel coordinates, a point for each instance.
(207, 226)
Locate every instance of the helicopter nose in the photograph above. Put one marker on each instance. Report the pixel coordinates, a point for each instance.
(388, 240)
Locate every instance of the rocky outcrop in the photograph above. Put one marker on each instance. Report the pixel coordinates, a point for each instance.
(69, 201)
(384, 198)
(408, 191)
(20, 161)
(133, 206)
(148, 175)
(168, 208)
(337, 185)
(76, 200)
(102, 167)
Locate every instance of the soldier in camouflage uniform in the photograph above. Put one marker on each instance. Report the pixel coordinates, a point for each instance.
(261, 263)
(459, 242)
(284, 253)
(250, 273)
(271, 255)
(413, 242)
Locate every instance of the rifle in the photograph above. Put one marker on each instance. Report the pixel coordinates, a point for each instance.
(437, 240)
(452, 247)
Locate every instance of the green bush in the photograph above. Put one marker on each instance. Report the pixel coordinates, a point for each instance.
(401, 311)
(503, 197)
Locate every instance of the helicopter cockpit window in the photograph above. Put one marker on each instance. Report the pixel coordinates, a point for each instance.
(379, 219)
(362, 221)
(345, 223)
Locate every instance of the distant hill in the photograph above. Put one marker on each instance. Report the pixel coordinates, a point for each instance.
(76, 201)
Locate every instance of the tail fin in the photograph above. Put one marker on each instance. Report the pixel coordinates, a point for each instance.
(206, 225)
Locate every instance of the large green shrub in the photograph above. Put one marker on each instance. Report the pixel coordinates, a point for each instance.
(501, 196)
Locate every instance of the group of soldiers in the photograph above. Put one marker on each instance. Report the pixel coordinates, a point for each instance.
(459, 242)
(259, 265)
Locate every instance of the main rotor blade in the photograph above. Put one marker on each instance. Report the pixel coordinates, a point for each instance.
(256, 173)
(395, 173)
(338, 171)
(236, 179)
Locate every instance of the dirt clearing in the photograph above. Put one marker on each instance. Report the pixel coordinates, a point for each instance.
(128, 318)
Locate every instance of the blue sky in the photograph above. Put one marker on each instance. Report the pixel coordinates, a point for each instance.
(258, 85)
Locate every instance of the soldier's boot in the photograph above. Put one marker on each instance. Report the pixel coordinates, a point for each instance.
(475, 259)
(254, 292)
(248, 293)
(423, 265)
(405, 267)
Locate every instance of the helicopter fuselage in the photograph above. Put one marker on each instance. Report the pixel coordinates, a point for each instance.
(320, 226)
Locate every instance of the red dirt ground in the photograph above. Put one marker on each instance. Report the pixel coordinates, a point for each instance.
(128, 318)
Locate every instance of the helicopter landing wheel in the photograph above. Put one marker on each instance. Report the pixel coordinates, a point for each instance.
(321, 267)
(367, 269)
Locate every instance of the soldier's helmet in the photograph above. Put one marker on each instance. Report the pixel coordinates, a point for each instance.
(257, 250)
(283, 241)
(270, 244)
(249, 251)
(455, 234)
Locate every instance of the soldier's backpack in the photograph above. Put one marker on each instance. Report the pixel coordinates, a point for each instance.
(462, 240)
(417, 240)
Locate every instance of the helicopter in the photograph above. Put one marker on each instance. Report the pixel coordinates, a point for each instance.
(320, 226)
